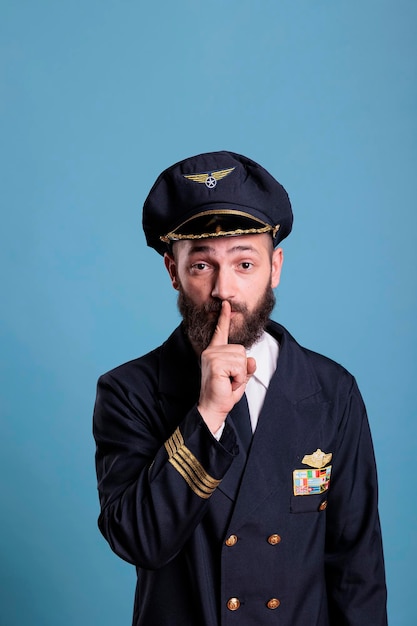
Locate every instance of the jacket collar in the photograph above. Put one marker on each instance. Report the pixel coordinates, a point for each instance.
(294, 367)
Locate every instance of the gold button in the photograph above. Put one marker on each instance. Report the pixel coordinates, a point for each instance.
(233, 604)
(231, 541)
(273, 603)
(274, 539)
(323, 506)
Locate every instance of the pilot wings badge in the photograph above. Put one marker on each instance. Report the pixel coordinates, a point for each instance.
(318, 459)
(209, 178)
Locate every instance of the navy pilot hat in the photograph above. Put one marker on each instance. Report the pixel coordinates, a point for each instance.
(217, 194)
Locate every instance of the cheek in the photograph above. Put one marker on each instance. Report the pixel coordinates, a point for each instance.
(254, 298)
(254, 291)
(198, 290)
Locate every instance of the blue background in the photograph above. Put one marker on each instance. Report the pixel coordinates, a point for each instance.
(97, 97)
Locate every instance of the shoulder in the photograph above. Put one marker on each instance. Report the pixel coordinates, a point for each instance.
(145, 366)
(134, 385)
(158, 368)
(138, 389)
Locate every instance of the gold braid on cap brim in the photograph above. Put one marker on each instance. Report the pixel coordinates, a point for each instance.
(172, 236)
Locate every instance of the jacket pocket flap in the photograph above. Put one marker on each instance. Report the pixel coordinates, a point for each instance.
(308, 504)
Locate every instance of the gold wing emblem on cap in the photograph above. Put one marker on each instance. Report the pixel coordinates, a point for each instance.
(209, 178)
(318, 459)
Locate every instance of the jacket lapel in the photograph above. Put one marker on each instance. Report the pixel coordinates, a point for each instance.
(288, 422)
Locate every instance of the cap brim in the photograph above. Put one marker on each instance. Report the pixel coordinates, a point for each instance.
(224, 222)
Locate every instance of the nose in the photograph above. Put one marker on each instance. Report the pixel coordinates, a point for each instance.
(223, 287)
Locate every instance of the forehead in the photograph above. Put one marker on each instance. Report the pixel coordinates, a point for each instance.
(256, 244)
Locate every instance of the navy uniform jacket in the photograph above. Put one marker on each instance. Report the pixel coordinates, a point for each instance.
(218, 539)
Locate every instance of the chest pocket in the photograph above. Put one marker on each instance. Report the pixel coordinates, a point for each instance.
(308, 504)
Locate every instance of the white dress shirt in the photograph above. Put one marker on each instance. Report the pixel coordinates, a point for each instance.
(265, 352)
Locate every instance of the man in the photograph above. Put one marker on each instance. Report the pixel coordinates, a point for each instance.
(235, 468)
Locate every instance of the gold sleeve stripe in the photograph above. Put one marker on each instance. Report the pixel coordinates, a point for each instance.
(189, 459)
(188, 479)
(189, 467)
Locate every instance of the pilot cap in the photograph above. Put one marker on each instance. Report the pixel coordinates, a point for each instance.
(216, 194)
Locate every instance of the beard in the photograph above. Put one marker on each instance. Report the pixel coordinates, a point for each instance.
(200, 321)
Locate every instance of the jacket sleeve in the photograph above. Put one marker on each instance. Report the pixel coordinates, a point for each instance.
(154, 478)
(354, 558)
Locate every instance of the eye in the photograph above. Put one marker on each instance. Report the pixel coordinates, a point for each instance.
(246, 265)
(199, 267)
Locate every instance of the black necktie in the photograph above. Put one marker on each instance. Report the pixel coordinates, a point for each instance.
(241, 420)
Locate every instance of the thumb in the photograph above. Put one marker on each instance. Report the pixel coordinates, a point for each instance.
(250, 366)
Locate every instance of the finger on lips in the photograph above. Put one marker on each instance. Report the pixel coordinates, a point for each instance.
(221, 338)
(221, 334)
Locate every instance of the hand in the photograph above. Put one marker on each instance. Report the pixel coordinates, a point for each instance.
(225, 371)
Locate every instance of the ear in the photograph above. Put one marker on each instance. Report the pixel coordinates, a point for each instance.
(277, 261)
(171, 266)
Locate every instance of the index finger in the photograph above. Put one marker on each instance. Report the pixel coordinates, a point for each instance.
(221, 334)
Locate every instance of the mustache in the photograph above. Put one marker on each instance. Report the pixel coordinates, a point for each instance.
(200, 320)
(216, 306)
